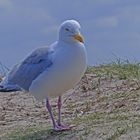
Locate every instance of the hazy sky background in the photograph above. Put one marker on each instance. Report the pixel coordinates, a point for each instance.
(110, 27)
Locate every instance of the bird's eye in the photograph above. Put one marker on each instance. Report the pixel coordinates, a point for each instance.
(67, 29)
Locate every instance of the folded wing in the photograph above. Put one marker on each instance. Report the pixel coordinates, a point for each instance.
(24, 73)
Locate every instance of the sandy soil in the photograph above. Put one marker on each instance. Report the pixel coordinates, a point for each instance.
(92, 95)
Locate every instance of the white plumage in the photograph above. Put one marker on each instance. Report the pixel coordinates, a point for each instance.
(51, 71)
(68, 65)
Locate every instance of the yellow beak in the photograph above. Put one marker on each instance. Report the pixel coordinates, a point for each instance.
(79, 38)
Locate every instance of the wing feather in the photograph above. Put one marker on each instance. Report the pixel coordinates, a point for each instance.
(24, 73)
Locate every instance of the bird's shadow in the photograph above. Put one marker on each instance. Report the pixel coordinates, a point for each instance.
(53, 134)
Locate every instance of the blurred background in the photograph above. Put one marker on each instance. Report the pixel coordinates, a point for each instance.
(110, 27)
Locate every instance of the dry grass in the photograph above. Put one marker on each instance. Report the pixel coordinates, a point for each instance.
(105, 105)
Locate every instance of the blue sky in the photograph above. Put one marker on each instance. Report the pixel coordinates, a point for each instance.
(111, 27)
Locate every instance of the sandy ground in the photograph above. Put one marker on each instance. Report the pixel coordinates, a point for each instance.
(92, 95)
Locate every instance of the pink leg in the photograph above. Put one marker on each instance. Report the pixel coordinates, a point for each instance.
(57, 127)
(59, 110)
(62, 126)
(50, 112)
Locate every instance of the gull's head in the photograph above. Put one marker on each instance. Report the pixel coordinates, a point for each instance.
(70, 32)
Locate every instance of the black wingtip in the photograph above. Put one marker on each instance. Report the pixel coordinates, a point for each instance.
(2, 89)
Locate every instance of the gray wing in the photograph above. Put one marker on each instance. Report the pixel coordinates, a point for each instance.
(24, 73)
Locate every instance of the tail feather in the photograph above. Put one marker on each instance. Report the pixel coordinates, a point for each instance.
(5, 86)
(9, 88)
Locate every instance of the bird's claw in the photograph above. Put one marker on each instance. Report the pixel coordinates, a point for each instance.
(63, 127)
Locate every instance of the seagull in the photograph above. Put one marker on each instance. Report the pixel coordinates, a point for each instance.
(51, 71)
